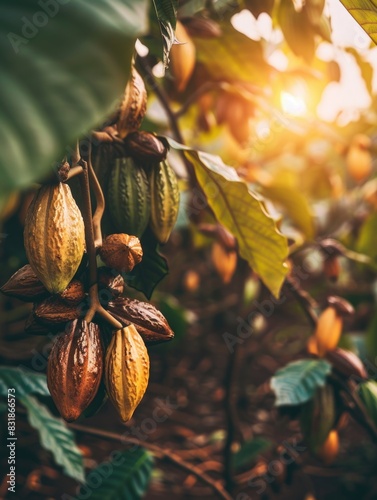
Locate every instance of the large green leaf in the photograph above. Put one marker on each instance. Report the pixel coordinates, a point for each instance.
(55, 437)
(153, 267)
(250, 450)
(365, 13)
(368, 395)
(236, 208)
(128, 478)
(64, 66)
(296, 383)
(25, 382)
(367, 238)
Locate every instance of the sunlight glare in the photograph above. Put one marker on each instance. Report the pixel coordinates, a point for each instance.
(292, 105)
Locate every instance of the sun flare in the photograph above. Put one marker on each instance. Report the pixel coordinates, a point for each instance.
(292, 105)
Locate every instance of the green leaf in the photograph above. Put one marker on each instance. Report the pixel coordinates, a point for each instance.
(236, 208)
(233, 57)
(365, 13)
(367, 239)
(296, 383)
(297, 30)
(295, 204)
(24, 381)
(368, 395)
(129, 477)
(365, 67)
(55, 437)
(151, 270)
(64, 66)
(249, 451)
(166, 12)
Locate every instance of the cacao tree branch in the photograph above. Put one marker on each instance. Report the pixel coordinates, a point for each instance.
(306, 302)
(74, 171)
(100, 202)
(160, 453)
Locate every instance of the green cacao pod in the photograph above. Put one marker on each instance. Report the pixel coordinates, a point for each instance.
(164, 200)
(126, 371)
(74, 369)
(318, 416)
(54, 236)
(129, 197)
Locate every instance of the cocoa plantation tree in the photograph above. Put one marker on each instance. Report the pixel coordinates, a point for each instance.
(143, 139)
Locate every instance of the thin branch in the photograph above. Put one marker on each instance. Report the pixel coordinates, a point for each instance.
(306, 302)
(100, 202)
(74, 171)
(160, 453)
(204, 89)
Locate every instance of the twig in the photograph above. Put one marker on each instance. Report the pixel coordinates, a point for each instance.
(204, 89)
(100, 202)
(160, 453)
(306, 302)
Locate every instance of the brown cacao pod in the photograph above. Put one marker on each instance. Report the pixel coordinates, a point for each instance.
(25, 285)
(74, 293)
(317, 417)
(149, 321)
(121, 252)
(133, 106)
(342, 306)
(331, 268)
(145, 147)
(347, 363)
(201, 27)
(33, 327)
(54, 236)
(110, 280)
(126, 371)
(54, 310)
(74, 368)
(328, 330)
(164, 200)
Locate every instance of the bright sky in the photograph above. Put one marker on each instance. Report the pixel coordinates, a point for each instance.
(350, 94)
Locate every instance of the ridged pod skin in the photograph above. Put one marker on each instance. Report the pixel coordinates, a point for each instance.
(54, 236)
(149, 321)
(54, 310)
(75, 368)
(133, 106)
(164, 200)
(126, 371)
(317, 417)
(129, 197)
(25, 285)
(121, 252)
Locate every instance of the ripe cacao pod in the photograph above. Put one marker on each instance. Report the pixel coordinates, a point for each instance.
(74, 368)
(25, 285)
(54, 236)
(33, 327)
(359, 159)
(54, 310)
(74, 293)
(182, 57)
(148, 321)
(133, 106)
(129, 197)
(121, 252)
(111, 281)
(328, 330)
(145, 147)
(330, 448)
(331, 268)
(347, 363)
(164, 200)
(126, 371)
(317, 417)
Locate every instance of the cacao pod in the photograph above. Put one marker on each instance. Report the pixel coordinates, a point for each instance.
(129, 197)
(331, 268)
(54, 310)
(133, 106)
(164, 200)
(225, 261)
(182, 57)
(74, 293)
(330, 448)
(25, 285)
(99, 400)
(126, 371)
(317, 417)
(328, 330)
(110, 280)
(121, 252)
(34, 328)
(342, 306)
(74, 368)
(201, 27)
(54, 236)
(148, 321)
(191, 281)
(145, 147)
(347, 363)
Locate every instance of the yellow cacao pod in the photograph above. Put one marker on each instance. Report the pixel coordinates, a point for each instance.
(359, 159)
(328, 331)
(164, 200)
(126, 371)
(182, 57)
(54, 236)
(224, 261)
(330, 448)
